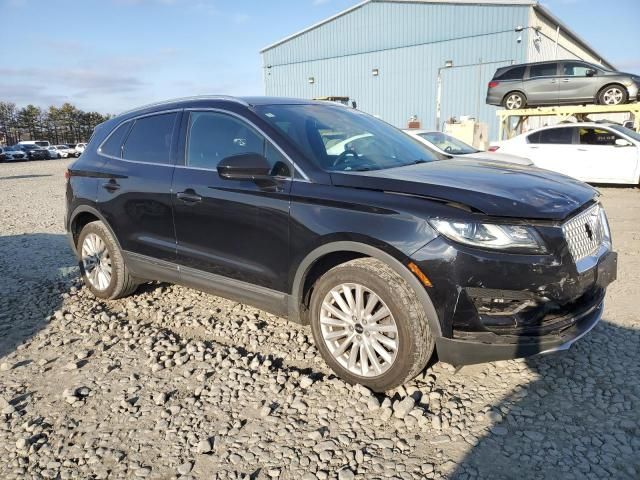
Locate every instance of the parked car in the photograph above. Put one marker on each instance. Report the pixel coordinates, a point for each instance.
(55, 152)
(448, 145)
(67, 150)
(561, 82)
(33, 151)
(389, 255)
(591, 152)
(79, 149)
(12, 154)
(39, 143)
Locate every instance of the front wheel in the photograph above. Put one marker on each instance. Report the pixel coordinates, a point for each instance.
(613, 95)
(101, 263)
(369, 326)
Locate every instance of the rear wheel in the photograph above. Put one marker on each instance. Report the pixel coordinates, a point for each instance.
(102, 264)
(613, 95)
(369, 326)
(514, 101)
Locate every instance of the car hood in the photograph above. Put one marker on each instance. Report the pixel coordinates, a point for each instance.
(497, 189)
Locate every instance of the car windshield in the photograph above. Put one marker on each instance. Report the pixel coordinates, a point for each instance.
(343, 139)
(627, 131)
(448, 143)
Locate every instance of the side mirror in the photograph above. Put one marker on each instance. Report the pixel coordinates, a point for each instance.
(591, 72)
(244, 166)
(621, 142)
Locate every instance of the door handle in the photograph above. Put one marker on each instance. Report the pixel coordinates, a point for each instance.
(553, 81)
(534, 148)
(188, 197)
(565, 80)
(111, 186)
(583, 150)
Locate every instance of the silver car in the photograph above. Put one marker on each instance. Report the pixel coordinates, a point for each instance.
(560, 82)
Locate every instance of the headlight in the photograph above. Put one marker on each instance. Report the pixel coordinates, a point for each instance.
(492, 236)
(604, 221)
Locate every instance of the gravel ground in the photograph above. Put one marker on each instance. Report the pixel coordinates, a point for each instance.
(173, 383)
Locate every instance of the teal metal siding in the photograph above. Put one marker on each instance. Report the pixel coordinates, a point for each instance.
(407, 43)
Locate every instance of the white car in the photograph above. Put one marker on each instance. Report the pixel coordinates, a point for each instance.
(66, 149)
(55, 152)
(12, 154)
(80, 148)
(591, 152)
(448, 145)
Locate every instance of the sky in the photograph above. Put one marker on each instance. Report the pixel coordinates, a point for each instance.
(112, 55)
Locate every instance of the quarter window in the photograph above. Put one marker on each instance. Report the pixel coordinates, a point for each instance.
(515, 73)
(214, 136)
(113, 145)
(543, 70)
(150, 139)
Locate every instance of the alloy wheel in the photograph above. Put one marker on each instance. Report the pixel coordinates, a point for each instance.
(96, 262)
(359, 330)
(612, 96)
(513, 102)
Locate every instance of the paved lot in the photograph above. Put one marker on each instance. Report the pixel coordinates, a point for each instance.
(174, 383)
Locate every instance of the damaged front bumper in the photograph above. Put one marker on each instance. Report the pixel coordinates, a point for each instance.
(495, 306)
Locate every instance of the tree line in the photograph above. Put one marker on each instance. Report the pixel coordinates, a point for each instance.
(58, 125)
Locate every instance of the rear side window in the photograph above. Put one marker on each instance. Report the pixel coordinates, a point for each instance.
(150, 139)
(543, 70)
(553, 136)
(515, 73)
(113, 145)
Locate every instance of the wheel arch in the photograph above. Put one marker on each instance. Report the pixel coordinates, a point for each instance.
(81, 216)
(326, 256)
(515, 90)
(610, 84)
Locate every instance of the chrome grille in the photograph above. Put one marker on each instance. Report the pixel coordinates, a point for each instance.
(583, 233)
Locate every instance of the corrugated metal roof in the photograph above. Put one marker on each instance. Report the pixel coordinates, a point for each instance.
(365, 2)
(533, 3)
(542, 10)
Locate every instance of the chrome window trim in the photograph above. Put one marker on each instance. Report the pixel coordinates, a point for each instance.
(133, 119)
(305, 178)
(226, 98)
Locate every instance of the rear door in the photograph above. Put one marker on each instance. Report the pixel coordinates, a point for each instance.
(234, 228)
(556, 149)
(135, 194)
(541, 84)
(574, 85)
(604, 160)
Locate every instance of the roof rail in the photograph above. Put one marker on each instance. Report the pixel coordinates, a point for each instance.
(228, 98)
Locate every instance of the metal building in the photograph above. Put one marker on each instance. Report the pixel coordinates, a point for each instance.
(387, 55)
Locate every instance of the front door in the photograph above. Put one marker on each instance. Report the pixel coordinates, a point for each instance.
(604, 160)
(541, 84)
(574, 84)
(234, 228)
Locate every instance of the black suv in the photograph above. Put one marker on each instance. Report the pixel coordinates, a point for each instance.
(333, 218)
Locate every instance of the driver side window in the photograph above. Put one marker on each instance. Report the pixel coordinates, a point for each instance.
(213, 136)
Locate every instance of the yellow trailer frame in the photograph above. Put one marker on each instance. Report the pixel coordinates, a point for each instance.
(579, 112)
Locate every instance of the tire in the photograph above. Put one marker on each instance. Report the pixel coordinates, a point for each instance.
(613, 95)
(94, 238)
(414, 341)
(514, 101)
